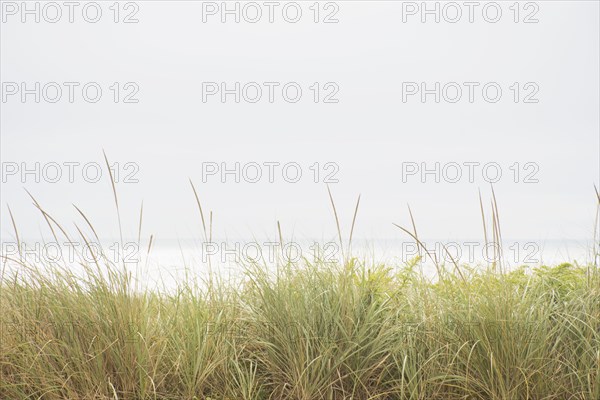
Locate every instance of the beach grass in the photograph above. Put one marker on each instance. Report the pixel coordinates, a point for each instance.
(310, 331)
(307, 330)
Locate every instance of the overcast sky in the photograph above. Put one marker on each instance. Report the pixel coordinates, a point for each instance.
(354, 92)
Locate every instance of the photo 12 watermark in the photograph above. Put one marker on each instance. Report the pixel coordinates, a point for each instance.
(270, 172)
(453, 12)
(270, 252)
(38, 253)
(470, 172)
(69, 92)
(70, 12)
(470, 92)
(471, 252)
(67, 172)
(270, 92)
(253, 12)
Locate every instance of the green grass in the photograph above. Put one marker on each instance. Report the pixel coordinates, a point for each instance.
(315, 331)
(308, 331)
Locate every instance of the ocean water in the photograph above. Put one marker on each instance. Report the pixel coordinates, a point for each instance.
(167, 263)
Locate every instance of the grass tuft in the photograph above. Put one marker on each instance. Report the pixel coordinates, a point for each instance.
(310, 331)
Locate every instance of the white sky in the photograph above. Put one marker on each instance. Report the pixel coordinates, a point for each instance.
(369, 133)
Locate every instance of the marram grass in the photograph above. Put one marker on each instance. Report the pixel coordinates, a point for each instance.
(311, 332)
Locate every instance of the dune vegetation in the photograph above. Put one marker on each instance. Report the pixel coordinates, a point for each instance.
(308, 331)
(316, 331)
